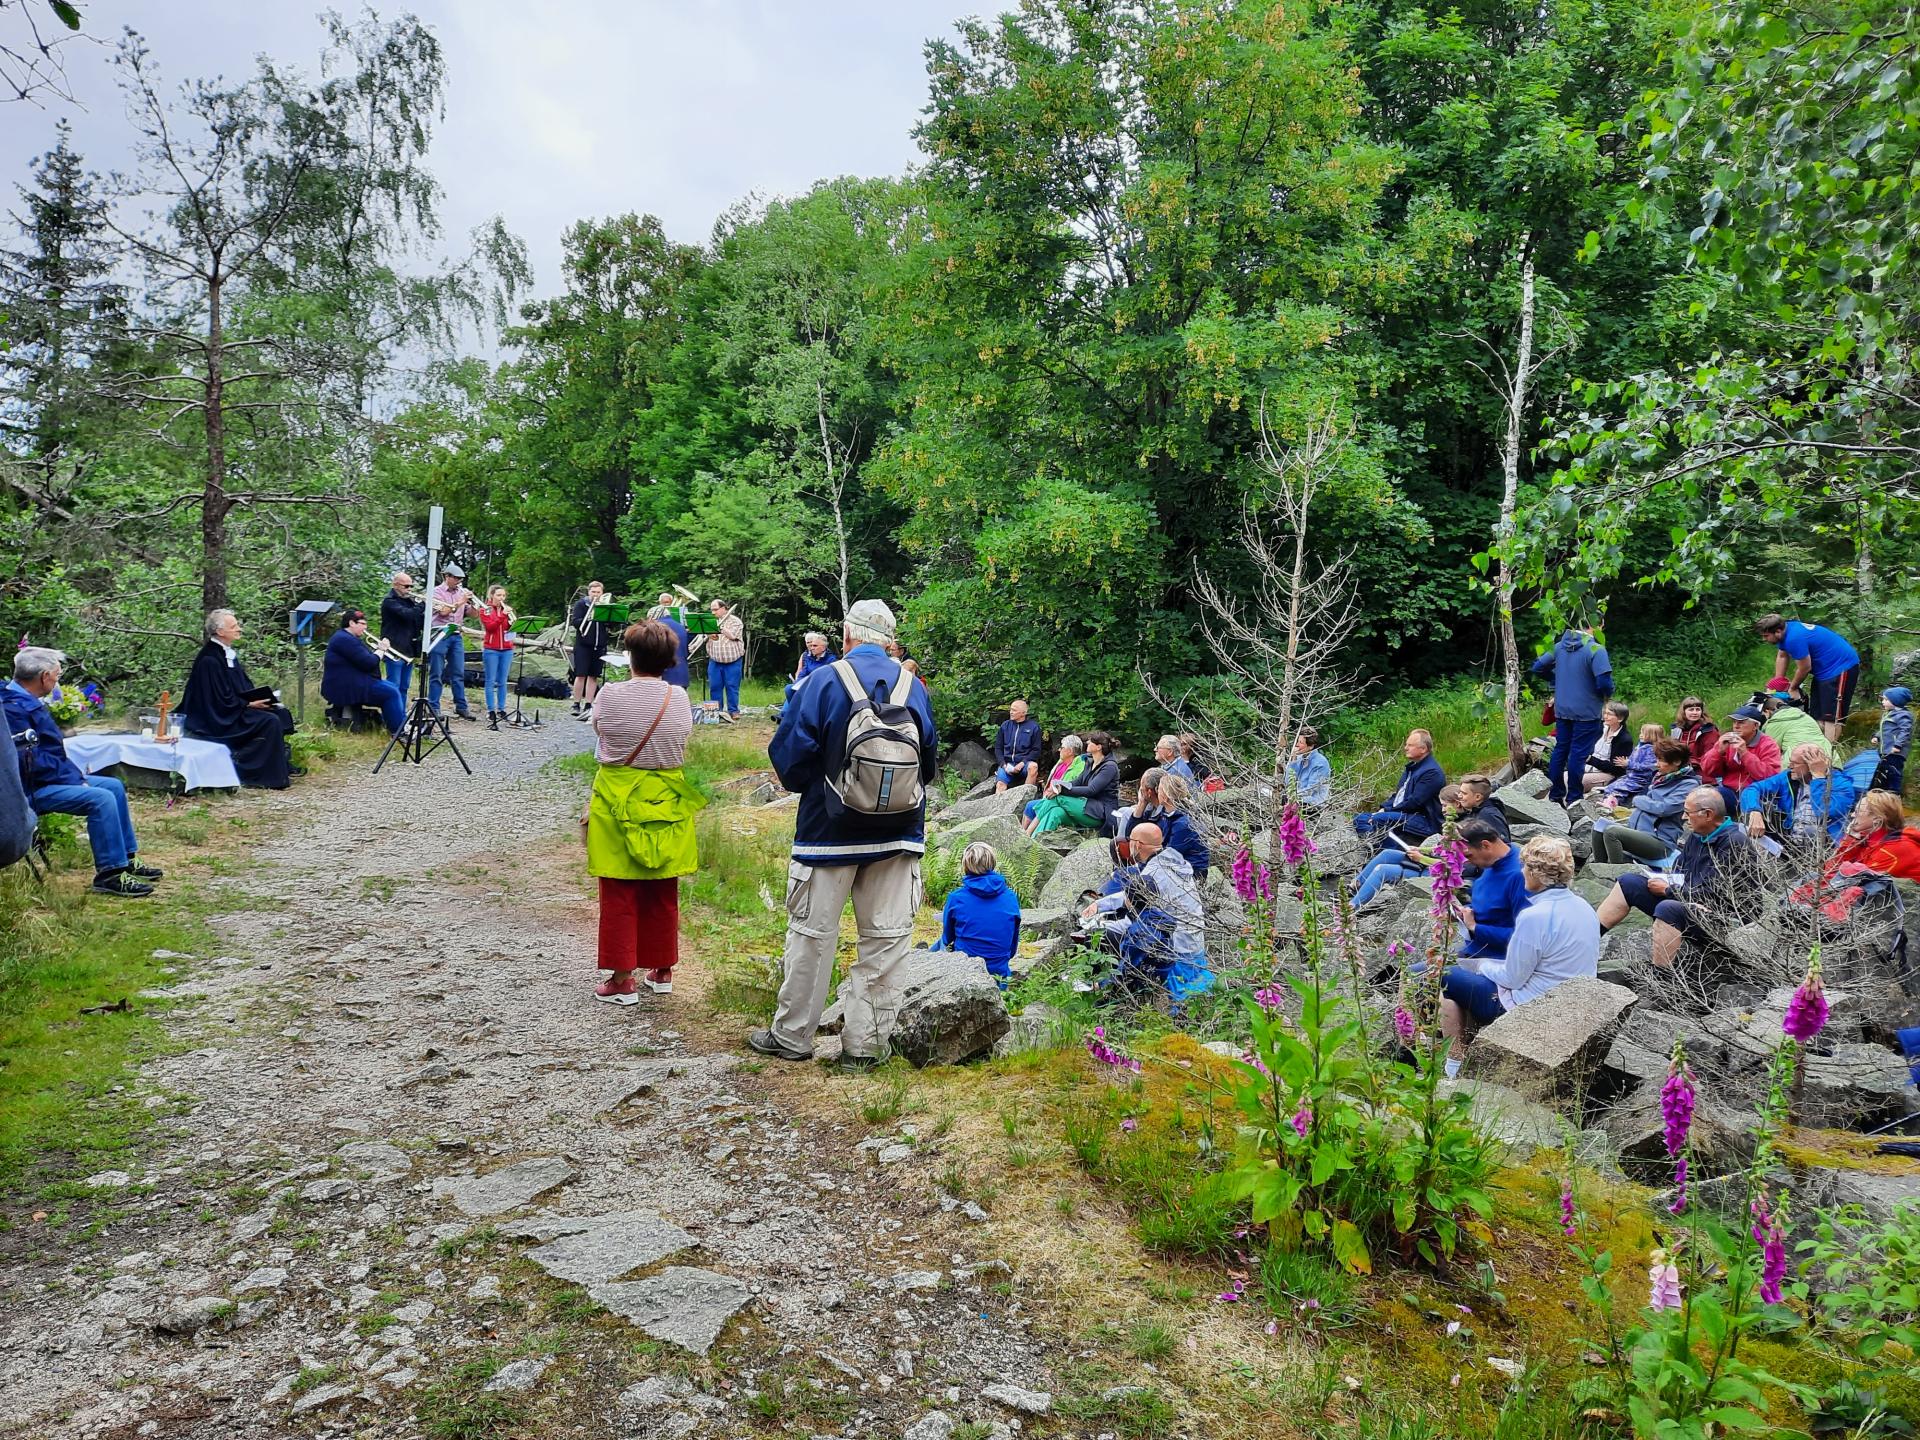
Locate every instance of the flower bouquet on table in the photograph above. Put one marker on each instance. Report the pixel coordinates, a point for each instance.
(71, 707)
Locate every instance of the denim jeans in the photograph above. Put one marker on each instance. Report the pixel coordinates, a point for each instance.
(1389, 867)
(448, 662)
(723, 683)
(103, 800)
(400, 675)
(1573, 742)
(495, 663)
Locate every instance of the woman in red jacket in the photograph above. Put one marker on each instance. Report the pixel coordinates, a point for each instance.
(1694, 729)
(1877, 839)
(496, 651)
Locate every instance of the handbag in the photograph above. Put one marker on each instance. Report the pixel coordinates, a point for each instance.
(665, 700)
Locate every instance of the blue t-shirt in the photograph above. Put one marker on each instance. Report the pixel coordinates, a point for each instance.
(1832, 656)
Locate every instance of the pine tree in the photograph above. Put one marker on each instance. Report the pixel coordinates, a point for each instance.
(62, 314)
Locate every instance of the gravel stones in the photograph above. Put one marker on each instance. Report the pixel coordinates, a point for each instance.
(517, 1376)
(1027, 1402)
(679, 1306)
(381, 1161)
(190, 1317)
(506, 1189)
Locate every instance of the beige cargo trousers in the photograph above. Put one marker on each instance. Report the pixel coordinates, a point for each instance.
(885, 894)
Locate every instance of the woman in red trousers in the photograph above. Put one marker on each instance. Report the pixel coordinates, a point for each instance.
(640, 835)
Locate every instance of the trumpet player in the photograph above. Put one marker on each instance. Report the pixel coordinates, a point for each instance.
(350, 674)
(496, 651)
(448, 662)
(402, 617)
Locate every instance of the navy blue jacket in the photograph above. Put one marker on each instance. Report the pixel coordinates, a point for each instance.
(1017, 744)
(982, 919)
(43, 760)
(677, 673)
(1418, 796)
(1499, 895)
(349, 670)
(810, 745)
(1582, 675)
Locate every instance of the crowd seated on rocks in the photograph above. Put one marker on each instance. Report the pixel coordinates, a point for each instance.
(1606, 762)
(1800, 806)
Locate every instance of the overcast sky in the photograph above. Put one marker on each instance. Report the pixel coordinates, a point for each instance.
(558, 112)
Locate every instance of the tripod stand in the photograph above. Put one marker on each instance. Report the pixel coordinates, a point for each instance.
(520, 676)
(426, 729)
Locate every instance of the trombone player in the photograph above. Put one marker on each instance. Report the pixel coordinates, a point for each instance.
(350, 674)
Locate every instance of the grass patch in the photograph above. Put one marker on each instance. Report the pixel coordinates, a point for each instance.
(64, 951)
(456, 1407)
(885, 1101)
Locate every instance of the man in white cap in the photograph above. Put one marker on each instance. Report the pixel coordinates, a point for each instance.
(858, 744)
(449, 659)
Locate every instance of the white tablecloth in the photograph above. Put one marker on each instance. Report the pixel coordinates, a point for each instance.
(200, 763)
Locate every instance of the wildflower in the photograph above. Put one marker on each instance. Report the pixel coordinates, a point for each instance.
(1302, 1118)
(1098, 1047)
(1453, 1327)
(1232, 1295)
(1807, 1010)
(1273, 1327)
(1403, 1024)
(1449, 871)
(1566, 1208)
(1268, 997)
(1244, 884)
(1295, 844)
(1676, 1101)
(1679, 1204)
(1252, 1057)
(1663, 1282)
(1266, 883)
(1773, 1250)
(1129, 1124)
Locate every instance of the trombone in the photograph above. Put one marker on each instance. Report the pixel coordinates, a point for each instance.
(383, 648)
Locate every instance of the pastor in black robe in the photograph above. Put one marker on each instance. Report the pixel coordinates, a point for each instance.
(212, 709)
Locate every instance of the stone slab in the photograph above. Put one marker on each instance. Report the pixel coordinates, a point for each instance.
(609, 1247)
(1552, 1048)
(679, 1306)
(508, 1188)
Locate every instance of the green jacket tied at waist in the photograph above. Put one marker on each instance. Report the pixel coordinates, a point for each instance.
(640, 824)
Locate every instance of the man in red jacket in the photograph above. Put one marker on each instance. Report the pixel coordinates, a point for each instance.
(1742, 755)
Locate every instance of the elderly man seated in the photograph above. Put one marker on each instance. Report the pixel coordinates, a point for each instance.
(1150, 915)
(1805, 805)
(350, 675)
(57, 786)
(1715, 881)
(1556, 938)
(1412, 813)
(1016, 749)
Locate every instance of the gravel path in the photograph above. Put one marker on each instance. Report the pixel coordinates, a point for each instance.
(396, 1105)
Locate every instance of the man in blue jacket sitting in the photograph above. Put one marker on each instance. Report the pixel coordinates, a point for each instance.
(1414, 809)
(57, 786)
(839, 854)
(1582, 676)
(1016, 749)
(350, 674)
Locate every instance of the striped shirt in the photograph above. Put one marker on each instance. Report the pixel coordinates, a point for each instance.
(623, 711)
(726, 646)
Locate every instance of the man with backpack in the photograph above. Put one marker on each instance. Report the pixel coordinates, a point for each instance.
(1581, 673)
(857, 742)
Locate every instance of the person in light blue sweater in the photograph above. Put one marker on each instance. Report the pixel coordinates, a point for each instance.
(1638, 776)
(1310, 773)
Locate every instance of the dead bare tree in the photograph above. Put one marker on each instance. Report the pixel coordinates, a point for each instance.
(1278, 638)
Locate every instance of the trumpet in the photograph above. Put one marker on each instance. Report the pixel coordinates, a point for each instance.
(382, 647)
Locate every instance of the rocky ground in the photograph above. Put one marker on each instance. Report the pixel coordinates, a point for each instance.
(411, 1179)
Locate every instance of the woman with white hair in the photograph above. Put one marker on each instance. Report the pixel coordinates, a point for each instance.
(1071, 765)
(222, 704)
(982, 915)
(1556, 938)
(814, 655)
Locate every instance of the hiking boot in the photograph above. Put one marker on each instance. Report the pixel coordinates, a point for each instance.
(122, 883)
(145, 872)
(763, 1042)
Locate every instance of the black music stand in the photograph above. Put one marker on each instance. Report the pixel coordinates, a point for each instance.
(426, 729)
(520, 667)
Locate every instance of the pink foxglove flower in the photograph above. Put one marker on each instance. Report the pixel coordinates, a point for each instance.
(1679, 1204)
(1302, 1118)
(1268, 997)
(1244, 884)
(1807, 1010)
(1295, 844)
(1098, 1047)
(1566, 1208)
(1449, 871)
(1663, 1283)
(1403, 1024)
(1773, 1250)
(1676, 1101)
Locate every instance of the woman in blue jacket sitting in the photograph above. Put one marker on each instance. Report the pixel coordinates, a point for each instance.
(982, 917)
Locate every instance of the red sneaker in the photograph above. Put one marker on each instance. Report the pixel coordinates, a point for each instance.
(660, 982)
(622, 989)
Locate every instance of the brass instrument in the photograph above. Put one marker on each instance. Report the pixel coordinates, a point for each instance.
(383, 648)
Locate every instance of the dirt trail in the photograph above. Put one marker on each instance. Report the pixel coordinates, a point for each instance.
(305, 1249)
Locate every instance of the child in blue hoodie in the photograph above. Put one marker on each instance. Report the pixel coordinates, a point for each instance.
(982, 917)
(1896, 735)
